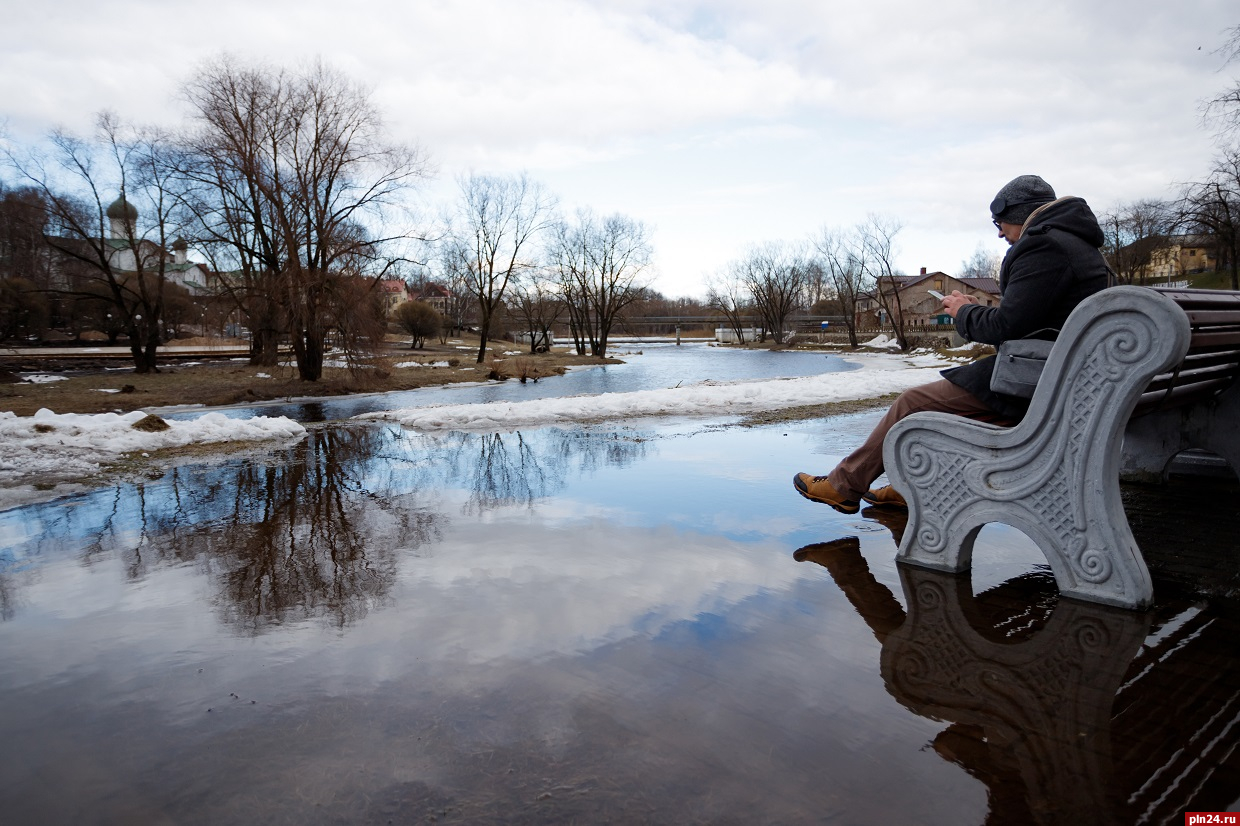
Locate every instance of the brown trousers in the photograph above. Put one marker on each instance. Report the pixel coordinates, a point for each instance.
(854, 475)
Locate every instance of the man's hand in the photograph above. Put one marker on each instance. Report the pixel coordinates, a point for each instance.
(952, 303)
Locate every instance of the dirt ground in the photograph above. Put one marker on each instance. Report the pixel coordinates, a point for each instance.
(100, 386)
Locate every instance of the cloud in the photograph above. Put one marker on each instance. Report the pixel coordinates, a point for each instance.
(722, 123)
(475, 78)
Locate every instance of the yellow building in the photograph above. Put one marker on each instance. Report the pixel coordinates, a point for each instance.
(1177, 257)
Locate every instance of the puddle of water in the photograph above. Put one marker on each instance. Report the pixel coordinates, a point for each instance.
(583, 625)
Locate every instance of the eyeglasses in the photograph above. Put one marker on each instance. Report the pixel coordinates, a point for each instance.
(998, 225)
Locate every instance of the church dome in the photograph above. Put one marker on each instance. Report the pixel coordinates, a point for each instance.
(122, 210)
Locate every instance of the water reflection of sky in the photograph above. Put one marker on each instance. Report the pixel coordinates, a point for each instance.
(558, 625)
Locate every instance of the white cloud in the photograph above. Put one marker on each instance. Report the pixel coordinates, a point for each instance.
(720, 123)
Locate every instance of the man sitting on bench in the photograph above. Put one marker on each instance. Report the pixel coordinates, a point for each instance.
(1052, 265)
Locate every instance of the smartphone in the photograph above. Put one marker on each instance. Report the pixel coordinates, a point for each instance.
(936, 294)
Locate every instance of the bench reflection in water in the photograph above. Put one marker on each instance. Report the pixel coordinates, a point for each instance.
(1068, 711)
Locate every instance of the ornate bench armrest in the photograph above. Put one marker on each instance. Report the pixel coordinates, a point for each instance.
(1055, 476)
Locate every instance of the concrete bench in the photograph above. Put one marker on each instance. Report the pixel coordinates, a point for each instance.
(1159, 365)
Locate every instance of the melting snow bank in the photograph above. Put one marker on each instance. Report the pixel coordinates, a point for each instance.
(879, 375)
(70, 446)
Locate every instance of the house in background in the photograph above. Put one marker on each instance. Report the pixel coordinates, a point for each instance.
(435, 295)
(916, 304)
(1177, 256)
(395, 292)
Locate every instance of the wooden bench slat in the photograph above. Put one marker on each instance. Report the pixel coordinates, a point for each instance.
(1181, 394)
(1199, 318)
(1213, 360)
(1195, 376)
(1210, 357)
(1230, 338)
(1202, 299)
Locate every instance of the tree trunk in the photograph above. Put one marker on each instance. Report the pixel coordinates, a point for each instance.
(137, 353)
(150, 352)
(264, 347)
(144, 346)
(264, 334)
(310, 355)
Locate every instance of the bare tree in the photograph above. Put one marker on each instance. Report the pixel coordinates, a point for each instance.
(1134, 233)
(459, 301)
(845, 258)
(1212, 206)
(115, 250)
(774, 273)
(571, 263)
(728, 294)
(539, 304)
(600, 263)
(237, 184)
(23, 308)
(983, 263)
(1223, 110)
(493, 239)
(23, 225)
(818, 286)
(876, 237)
(24, 264)
(295, 184)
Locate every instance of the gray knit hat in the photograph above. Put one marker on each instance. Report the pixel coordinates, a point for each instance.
(1019, 198)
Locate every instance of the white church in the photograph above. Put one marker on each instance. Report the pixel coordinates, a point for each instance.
(122, 219)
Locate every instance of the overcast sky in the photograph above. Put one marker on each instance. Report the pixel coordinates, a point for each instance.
(719, 124)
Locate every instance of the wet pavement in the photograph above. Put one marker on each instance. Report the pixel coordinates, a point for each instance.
(614, 624)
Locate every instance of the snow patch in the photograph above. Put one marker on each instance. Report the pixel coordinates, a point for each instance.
(881, 342)
(68, 446)
(882, 375)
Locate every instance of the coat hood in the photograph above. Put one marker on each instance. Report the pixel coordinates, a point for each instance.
(1069, 214)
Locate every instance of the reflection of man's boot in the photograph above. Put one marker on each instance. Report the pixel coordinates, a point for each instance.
(872, 599)
(823, 552)
(892, 519)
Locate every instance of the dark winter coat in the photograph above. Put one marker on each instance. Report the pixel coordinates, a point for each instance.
(1053, 267)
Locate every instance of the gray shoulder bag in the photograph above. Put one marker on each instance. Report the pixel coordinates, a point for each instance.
(1018, 366)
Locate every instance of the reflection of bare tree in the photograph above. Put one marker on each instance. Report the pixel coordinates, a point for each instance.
(306, 536)
(303, 534)
(1067, 717)
(315, 530)
(503, 469)
(506, 471)
(318, 531)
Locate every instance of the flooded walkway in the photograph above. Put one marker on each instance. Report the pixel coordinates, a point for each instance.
(610, 624)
